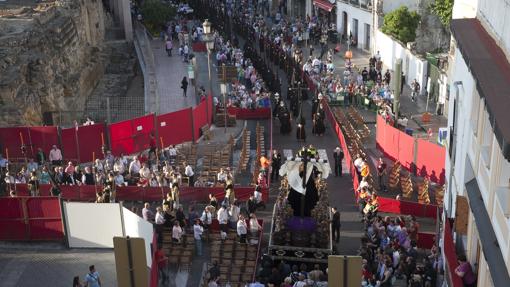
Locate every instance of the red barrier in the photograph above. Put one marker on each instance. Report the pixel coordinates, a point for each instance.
(391, 205)
(42, 137)
(426, 240)
(30, 218)
(199, 118)
(135, 193)
(430, 161)
(154, 275)
(175, 128)
(79, 144)
(397, 145)
(32, 137)
(250, 114)
(131, 136)
(451, 257)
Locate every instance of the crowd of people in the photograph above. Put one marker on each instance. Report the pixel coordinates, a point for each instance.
(153, 168)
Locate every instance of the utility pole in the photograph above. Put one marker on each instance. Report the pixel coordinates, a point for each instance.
(396, 88)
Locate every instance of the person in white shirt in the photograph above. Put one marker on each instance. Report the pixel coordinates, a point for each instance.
(358, 163)
(257, 194)
(254, 226)
(242, 229)
(134, 166)
(197, 234)
(222, 176)
(119, 167)
(233, 213)
(206, 217)
(160, 221)
(145, 172)
(223, 218)
(176, 232)
(188, 171)
(172, 153)
(55, 156)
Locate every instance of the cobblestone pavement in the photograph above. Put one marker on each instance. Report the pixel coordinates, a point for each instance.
(53, 267)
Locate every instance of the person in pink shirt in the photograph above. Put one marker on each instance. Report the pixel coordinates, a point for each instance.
(69, 168)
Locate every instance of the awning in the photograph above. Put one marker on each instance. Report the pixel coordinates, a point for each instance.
(490, 68)
(491, 250)
(324, 5)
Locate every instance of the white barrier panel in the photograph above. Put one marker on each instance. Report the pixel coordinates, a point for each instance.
(92, 225)
(135, 226)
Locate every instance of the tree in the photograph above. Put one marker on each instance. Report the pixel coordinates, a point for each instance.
(155, 14)
(401, 24)
(443, 9)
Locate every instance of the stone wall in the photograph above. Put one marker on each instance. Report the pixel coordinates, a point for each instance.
(49, 58)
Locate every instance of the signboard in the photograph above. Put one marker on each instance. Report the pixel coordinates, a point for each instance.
(344, 271)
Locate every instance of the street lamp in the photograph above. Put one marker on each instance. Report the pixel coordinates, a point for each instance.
(209, 41)
(223, 88)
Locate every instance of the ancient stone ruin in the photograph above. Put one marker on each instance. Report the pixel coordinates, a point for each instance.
(51, 58)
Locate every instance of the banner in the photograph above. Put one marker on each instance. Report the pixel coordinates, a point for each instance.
(80, 144)
(430, 161)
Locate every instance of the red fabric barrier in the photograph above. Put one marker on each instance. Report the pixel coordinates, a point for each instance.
(45, 218)
(391, 205)
(42, 137)
(69, 146)
(426, 240)
(199, 118)
(406, 150)
(10, 139)
(131, 136)
(451, 257)
(430, 161)
(80, 144)
(30, 218)
(397, 145)
(249, 114)
(175, 128)
(69, 192)
(154, 275)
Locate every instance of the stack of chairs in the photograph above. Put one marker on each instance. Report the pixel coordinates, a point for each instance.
(357, 121)
(439, 194)
(236, 261)
(245, 151)
(179, 254)
(406, 184)
(423, 192)
(260, 150)
(394, 176)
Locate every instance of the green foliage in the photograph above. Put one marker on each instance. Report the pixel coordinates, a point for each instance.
(401, 24)
(155, 14)
(443, 9)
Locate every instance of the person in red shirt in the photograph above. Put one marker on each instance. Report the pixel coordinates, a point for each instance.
(162, 261)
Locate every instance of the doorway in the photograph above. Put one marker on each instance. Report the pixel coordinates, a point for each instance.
(367, 37)
(344, 25)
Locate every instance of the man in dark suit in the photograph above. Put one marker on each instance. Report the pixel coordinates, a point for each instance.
(276, 161)
(338, 155)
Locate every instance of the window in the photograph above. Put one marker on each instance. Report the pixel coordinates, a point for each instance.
(487, 135)
(475, 112)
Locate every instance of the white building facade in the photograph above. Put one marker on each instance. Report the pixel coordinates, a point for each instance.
(477, 165)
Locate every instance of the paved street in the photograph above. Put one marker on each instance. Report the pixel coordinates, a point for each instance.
(50, 266)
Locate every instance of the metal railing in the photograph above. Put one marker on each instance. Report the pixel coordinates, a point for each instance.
(148, 67)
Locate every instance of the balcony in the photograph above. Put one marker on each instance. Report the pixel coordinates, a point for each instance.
(361, 4)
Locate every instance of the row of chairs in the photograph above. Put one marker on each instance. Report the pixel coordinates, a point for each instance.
(245, 151)
(260, 150)
(353, 139)
(236, 261)
(179, 254)
(215, 157)
(357, 121)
